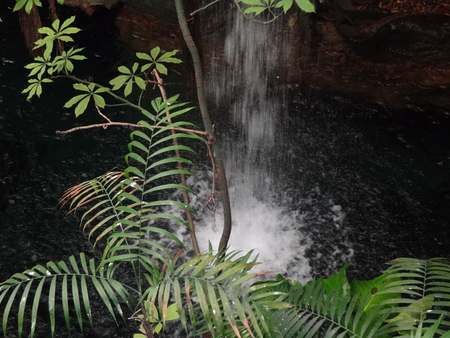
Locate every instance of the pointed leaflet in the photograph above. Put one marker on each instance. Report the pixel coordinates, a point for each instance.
(8, 306)
(103, 296)
(22, 303)
(34, 309)
(286, 4)
(306, 6)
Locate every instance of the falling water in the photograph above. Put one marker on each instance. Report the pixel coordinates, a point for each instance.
(267, 214)
(263, 219)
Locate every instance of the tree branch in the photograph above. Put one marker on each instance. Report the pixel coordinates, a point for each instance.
(222, 179)
(125, 124)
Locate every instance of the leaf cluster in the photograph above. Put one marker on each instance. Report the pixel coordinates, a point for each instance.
(257, 7)
(28, 4)
(122, 213)
(410, 299)
(46, 64)
(62, 63)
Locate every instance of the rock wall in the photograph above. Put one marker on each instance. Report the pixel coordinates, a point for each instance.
(392, 52)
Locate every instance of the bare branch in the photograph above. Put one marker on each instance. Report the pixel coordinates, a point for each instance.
(101, 114)
(126, 124)
(200, 9)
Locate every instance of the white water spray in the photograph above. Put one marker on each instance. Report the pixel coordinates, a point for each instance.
(269, 226)
(273, 213)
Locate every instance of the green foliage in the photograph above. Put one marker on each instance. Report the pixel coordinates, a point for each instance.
(59, 32)
(35, 87)
(157, 61)
(205, 291)
(424, 286)
(82, 100)
(61, 281)
(410, 299)
(122, 212)
(129, 78)
(257, 7)
(46, 64)
(28, 4)
(62, 64)
(153, 317)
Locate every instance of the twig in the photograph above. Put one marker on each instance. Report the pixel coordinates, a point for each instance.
(101, 114)
(126, 124)
(200, 9)
(201, 97)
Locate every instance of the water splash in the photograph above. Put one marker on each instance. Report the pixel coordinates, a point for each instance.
(273, 211)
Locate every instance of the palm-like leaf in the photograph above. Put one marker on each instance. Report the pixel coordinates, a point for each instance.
(63, 281)
(208, 294)
(414, 294)
(121, 203)
(317, 312)
(424, 286)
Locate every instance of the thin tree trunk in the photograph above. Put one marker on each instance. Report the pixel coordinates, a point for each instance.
(222, 179)
(30, 23)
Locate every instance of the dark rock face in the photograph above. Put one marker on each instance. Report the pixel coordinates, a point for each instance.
(392, 53)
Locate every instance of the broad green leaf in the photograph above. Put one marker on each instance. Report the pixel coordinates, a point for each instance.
(306, 6)
(146, 66)
(65, 38)
(118, 81)
(81, 107)
(29, 5)
(128, 88)
(169, 60)
(140, 82)
(135, 67)
(144, 56)
(46, 30)
(102, 90)
(253, 2)
(55, 24)
(81, 86)
(66, 23)
(286, 4)
(155, 52)
(19, 4)
(161, 68)
(256, 10)
(124, 70)
(99, 100)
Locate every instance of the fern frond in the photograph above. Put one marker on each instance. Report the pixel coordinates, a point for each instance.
(69, 283)
(209, 298)
(319, 312)
(420, 292)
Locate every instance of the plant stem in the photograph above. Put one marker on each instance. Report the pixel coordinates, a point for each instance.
(222, 180)
(180, 166)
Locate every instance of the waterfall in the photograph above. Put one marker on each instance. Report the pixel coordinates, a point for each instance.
(264, 219)
(277, 166)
